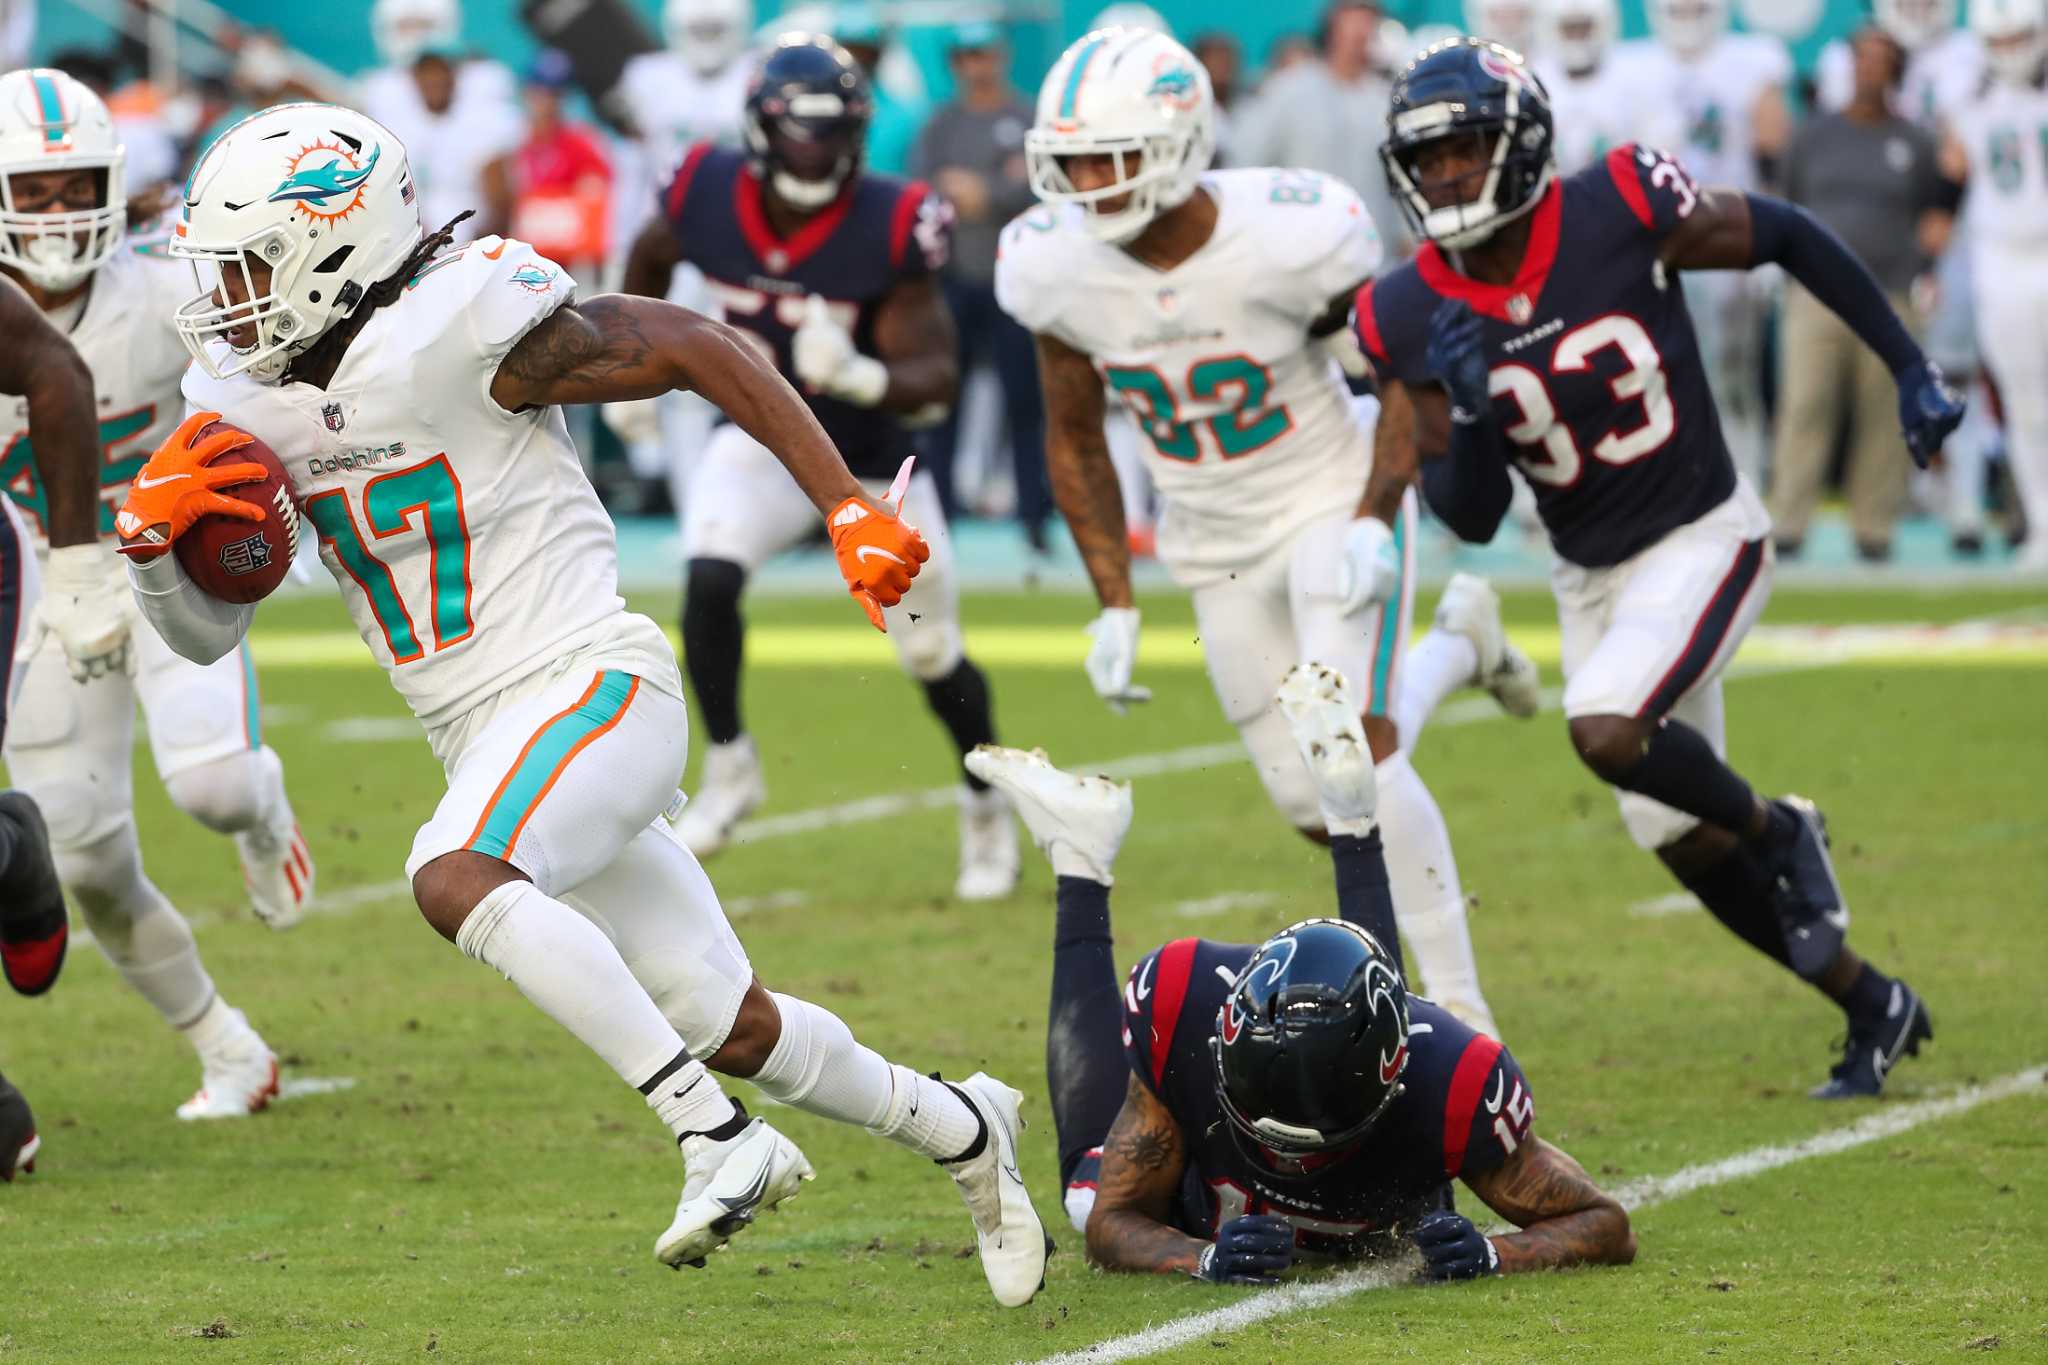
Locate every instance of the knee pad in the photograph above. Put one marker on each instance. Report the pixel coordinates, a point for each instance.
(931, 649)
(1280, 768)
(1652, 824)
(78, 815)
(228, 794)
(105, 879)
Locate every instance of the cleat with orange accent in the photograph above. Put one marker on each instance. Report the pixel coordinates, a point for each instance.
(279, 876)
(240, 1077)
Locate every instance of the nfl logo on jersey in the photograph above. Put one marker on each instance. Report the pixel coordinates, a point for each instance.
(330, 413)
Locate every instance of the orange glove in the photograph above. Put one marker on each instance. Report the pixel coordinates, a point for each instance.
(176, 487)
(878, 553)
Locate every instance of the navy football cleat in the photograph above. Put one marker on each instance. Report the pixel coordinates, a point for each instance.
(1808, 898)
(18, 1140)
(33, 928)
(1875, 1045)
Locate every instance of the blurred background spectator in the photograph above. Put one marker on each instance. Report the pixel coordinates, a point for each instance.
(1222, 56)
(1872, 177)
(972, 151)
(561, 175)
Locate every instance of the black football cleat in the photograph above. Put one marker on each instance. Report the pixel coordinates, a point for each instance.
(34, 930)
(18, 1140)
(1808, 899)
(1875, 1046)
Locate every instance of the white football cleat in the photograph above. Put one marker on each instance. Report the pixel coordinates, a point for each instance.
(278, 874)
(988, 846)
(1471, 608)
(728, 1185)
(1078, 822)
(729, 789)
(1013, 1243)
(240, 1076)
(1323, 716)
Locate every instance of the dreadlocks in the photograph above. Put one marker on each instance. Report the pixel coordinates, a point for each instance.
(317, 363)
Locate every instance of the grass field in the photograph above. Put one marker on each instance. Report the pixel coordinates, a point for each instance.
(483, 1190)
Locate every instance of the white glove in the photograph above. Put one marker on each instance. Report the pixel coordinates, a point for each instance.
(827, 363)
(1342, 347)
(636, 421)
(88, 606)
(1112, 656)
(1372, 565)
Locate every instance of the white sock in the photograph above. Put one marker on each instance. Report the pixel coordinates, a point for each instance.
(1429, 901)
(1440, 663)
(136, 928)
(689, 1098)
(567, 967)
(817, 1066)
(218, 1030)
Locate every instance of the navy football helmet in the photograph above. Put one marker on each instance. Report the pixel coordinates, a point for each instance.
(1474, 89)
(1311, 1042)
(807, 118)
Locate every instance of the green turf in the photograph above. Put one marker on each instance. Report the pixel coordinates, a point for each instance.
(487, 1191)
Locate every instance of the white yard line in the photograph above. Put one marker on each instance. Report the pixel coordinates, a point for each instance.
(1636, 1195)
(301, 1087)
(1671, 903)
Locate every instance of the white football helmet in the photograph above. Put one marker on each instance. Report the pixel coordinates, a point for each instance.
(1688, 27)
(1913, 24)
(320, 195)
(402, 29)
(1511, 23)
(1134, 95)
(708, 34)
(2015, 34)
(1128, 14)
(50, 122)
(1579, 32)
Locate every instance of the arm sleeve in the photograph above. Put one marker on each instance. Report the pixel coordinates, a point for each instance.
(194, 624)
(1791, 237)
(1468, 487)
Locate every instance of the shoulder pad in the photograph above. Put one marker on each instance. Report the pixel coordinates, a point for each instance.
(1154, 996)
(1029, 256)
(501, 287)
(1654, 185)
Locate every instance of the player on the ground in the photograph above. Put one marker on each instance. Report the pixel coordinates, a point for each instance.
(412, 391)
(1996, 142)
(63, 239)
(69, 599)
(1540, 326)
(832, 275)
(1238, 1105)
(1204, 298)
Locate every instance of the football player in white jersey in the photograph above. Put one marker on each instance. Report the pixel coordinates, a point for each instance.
(1202, 298)
(1729, 91)
(411, 390)
(1944, 61)
(1999, 141)
(72, 743)
(1597, 106)
(1511, 23)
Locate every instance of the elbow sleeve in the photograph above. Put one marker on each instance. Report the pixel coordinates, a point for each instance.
(195, 625)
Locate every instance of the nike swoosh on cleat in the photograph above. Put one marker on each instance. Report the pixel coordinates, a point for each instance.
(865, 551)
(143, 481)
(753, 1192)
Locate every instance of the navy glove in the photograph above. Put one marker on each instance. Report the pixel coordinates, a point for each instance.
(1249, 1250)
(1456, 356)
(1928, 409)
(1452, 1249)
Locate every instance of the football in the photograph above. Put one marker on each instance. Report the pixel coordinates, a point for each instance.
(244, 561)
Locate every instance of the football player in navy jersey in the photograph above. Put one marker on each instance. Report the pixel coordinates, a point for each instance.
(1237, 1105)
(833, 273)
(1541, 326)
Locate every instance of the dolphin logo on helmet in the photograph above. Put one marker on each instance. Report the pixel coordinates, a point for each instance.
(318, 184)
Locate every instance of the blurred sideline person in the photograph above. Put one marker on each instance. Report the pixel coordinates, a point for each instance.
(1598, 105)
(1996, 143)
(1295, 549)
(72, 742)
(830, 274)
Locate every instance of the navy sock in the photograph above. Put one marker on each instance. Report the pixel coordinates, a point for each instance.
(1737, 891)
(1084, 1050)
(714, 637)
(962, 703)
(1679, 768)
(1363, 895)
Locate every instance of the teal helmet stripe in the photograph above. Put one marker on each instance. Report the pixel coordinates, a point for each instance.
(1081, 60)
(52, 105)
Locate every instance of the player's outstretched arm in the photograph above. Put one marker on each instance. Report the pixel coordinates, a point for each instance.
(40, 364)
(1077, 464)
(618, 347)
(1142, 1161)
(1565, 1219)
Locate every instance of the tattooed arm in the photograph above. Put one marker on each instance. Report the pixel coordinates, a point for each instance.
(1565, 1219)
(1142, 1161)
(1084, 482)
(619, 347)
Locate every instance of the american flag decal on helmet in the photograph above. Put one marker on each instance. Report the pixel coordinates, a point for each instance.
(405, 190)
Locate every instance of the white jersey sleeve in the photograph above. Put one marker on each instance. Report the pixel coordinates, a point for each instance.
(1035, 279)
(1323, 241)
(485, 300)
